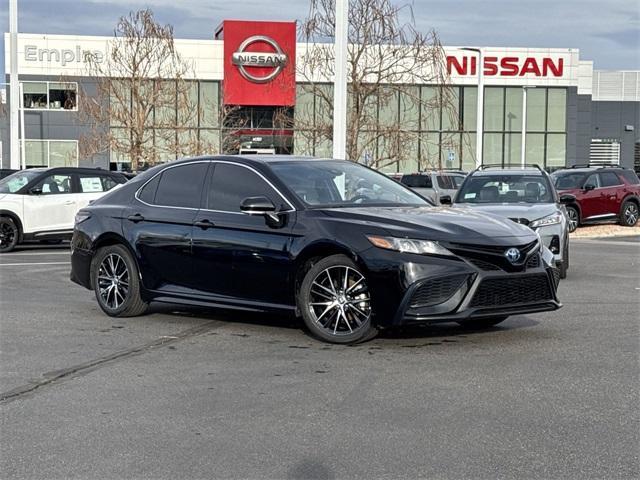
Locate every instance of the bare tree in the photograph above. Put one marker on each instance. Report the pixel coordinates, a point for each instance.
(143, 108)
(387, 58)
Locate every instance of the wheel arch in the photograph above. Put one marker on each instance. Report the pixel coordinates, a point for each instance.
(313, 252)
(111, 238)
(16, 219)
(575, 204)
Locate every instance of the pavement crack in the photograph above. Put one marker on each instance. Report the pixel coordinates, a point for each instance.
(55, 376)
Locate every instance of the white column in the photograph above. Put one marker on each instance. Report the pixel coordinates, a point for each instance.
(14, 94)
(340, 80)
(480, 115)
(23, 151)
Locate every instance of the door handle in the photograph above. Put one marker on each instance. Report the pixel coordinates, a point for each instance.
(204, 224)
(135, 218)
(69, 202)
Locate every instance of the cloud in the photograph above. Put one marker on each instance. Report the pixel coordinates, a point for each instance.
(606, 32)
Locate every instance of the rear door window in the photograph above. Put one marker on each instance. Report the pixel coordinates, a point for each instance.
(90, 183)
(609, 179)
(181, 186)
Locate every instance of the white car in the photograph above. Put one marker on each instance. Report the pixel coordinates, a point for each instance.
(41, 203)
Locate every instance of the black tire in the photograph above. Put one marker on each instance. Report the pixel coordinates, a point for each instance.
(481, 323)
(629, 214)
(574, 218)
(117, 297)
(9, 234)
(564, 266)
(347, 311)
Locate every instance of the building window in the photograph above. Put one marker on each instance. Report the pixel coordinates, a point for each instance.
(50, 95)
(51, 153)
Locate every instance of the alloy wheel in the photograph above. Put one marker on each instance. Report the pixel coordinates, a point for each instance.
(339, 300)
(631, 214)
(7, 234)
(113, 281)
(572, 213)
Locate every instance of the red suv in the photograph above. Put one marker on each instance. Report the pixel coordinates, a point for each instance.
(599, 193)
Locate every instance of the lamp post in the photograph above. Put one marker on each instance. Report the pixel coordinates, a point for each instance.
(523, 148)
(480, 114)
(14, 94)
(340, 80)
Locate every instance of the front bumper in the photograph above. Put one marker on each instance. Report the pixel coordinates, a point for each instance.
(475, 284)
(486, 294)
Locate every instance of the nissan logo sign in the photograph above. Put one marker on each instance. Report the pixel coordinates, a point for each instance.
(244, 58)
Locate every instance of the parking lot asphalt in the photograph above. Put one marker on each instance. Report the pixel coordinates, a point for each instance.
(208, 394)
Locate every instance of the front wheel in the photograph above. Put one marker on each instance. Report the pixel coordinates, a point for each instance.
(574, 218)
(116, 282)
(8, 234)
(335, 301)
(629, 215)
(481, 323)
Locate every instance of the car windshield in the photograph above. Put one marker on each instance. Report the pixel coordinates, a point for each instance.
(338, 183)
(568, 180)
(506, 189)
(450, 182)
(16, 181)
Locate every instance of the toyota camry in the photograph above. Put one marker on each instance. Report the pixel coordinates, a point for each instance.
(346, 248)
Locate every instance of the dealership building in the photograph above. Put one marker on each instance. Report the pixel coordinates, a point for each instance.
(569, 112)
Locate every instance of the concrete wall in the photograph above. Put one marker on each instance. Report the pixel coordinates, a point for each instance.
(608, 120)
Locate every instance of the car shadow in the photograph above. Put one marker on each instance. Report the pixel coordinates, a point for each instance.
(438, 333)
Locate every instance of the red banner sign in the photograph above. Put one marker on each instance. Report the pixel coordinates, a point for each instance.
(259, 63)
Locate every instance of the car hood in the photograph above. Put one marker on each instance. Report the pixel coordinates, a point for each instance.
(437, 223)
(530, 211)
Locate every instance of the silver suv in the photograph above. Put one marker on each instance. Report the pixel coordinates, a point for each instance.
(434, 184)
(526, 196)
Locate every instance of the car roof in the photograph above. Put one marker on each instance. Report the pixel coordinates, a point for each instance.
(70, 169)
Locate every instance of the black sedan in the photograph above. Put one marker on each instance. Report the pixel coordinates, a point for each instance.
(341, 245)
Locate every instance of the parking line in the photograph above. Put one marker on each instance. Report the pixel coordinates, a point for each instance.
(38, 263)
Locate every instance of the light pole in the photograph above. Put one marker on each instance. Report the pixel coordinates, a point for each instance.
(14, 94)
(340, 80)
(524, 125)
(480, 114)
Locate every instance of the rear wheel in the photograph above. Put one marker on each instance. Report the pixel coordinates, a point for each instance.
(116, 282)
(574, 218)
(9, 234)
(629, 215)
(483, 322)
(335, 301)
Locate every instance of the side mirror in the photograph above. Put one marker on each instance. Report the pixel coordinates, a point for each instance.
(35, 190)
(567, 198)
(588, 187)
(257, 206)
(445, 200)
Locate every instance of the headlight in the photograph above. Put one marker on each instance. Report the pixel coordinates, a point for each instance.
(407, 245)
(548, 220)
(81, 216)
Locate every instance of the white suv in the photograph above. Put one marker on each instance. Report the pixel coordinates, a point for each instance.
(41, 203)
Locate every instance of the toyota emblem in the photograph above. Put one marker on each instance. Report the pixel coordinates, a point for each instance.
(244, 58)
(513, 255)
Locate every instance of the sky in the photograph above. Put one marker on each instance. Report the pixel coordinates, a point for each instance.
(605, 31)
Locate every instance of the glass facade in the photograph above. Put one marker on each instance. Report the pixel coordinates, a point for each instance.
(51, 153)
(439, 129)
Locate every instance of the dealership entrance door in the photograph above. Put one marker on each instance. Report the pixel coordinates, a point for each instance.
(260, 128)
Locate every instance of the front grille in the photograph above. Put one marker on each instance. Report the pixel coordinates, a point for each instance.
(494, 292)
(534, 261)
(482, 265)
(492, 257)
(436, 291)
